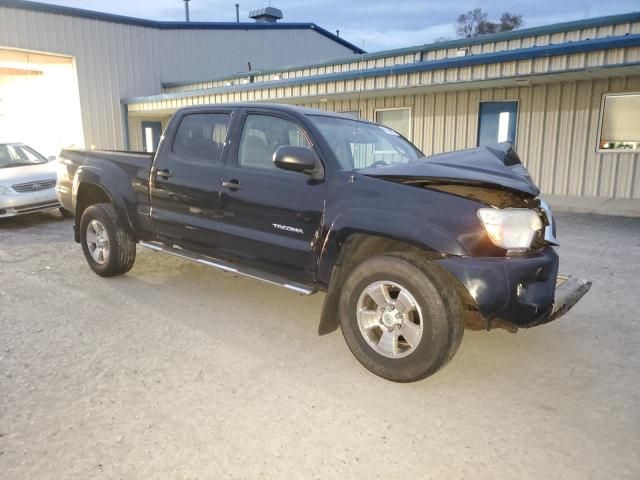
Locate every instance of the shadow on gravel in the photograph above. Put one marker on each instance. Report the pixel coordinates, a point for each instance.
(32, 220)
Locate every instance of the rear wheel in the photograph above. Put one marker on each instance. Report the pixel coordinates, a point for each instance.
(108, 248)
(400, 321)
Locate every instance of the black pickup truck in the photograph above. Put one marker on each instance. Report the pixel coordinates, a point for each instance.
(409, 250)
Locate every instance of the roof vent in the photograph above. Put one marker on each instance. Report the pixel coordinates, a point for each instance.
(266, 15)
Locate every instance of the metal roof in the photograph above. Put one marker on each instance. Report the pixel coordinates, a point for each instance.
(427, 47)
(582, 46)
(162, 25)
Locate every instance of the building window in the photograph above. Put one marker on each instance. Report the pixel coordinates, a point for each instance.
(620, 123)
(399, 119)
(497, 122)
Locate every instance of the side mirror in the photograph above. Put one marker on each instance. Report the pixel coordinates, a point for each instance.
(51, 158)
(298, 159)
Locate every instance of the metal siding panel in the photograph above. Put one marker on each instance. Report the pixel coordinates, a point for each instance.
(564, 151)
(524, 121)
(461, 114)
(581, 140)
(473, 109)
(450, 112)
(429, 124)
(549, 145)
(536, 132)
(439, 124)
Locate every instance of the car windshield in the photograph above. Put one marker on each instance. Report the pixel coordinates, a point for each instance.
(358, 144)
(14, 155)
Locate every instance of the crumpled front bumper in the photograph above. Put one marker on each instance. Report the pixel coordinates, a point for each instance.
(522, 291)
(569, 291)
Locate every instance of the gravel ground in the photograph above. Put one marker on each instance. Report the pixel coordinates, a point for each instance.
(177, 371)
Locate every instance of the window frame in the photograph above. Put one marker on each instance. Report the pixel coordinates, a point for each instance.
(265, 113)
(225, 145)
(507, 100)
(386, 109)
(601, 121)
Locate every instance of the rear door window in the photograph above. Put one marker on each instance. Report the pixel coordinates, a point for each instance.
(201, 137)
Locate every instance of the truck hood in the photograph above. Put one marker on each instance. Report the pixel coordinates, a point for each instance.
(497, 165)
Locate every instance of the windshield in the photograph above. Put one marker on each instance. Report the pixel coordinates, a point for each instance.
(359, 144)
(18, 156)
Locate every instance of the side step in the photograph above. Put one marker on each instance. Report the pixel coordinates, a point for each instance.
(226, 267)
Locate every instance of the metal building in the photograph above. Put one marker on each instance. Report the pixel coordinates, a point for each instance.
(64, 71)
(568, 96)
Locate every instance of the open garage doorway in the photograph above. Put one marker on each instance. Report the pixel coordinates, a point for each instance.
(39, 101)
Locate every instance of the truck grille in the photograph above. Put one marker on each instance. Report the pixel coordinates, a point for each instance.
(34, 186)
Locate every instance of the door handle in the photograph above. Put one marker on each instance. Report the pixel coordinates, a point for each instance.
(232, 185)
(164, 173)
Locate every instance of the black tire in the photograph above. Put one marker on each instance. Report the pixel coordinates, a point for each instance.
(442, 322)
(122, 247)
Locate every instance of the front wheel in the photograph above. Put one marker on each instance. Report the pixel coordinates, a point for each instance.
(402, 322)
(109, 249)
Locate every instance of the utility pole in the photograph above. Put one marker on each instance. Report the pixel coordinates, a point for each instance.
(186, 10)
(237, 13)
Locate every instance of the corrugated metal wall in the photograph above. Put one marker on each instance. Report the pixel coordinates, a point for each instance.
(432, 52)
(556, 133)
(443, 78)
(114, 61)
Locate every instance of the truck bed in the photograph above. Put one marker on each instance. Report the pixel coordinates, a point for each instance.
(137, 159)
(124, 167)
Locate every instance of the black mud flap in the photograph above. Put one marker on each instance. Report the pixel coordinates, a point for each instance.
(568, 292)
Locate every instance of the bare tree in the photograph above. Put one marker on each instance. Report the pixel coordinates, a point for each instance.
(469, 23)
(475, 22)
(509, 22)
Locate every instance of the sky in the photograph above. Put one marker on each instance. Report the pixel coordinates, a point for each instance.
(369, 24)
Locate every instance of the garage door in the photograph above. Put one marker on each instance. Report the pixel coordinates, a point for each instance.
(39, 102)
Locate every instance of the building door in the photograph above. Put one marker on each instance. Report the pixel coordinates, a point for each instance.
(151, 133)
(497, 122)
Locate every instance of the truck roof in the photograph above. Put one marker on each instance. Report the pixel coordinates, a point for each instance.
(296, 110)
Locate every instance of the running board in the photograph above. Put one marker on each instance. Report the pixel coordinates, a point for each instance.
(226, 267)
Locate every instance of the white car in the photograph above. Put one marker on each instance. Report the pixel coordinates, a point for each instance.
(27, 181)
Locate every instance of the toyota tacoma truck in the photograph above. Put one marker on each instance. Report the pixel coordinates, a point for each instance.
(409, 249)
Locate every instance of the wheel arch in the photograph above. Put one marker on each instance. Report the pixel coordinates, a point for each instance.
(358, 247)
(91, 187)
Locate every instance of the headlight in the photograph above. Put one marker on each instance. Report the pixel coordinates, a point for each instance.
(5, 190)
(510, 228)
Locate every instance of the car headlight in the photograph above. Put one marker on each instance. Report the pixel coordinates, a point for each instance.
(510, 228)
(5, 190)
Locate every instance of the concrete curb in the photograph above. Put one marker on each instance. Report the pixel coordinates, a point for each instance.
(598, 205)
